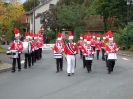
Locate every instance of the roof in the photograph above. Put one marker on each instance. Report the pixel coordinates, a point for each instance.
(31, 11)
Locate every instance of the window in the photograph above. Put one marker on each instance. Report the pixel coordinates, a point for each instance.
(41, 20)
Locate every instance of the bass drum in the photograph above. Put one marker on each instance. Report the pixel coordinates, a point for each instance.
(27, 48)
(112, 56)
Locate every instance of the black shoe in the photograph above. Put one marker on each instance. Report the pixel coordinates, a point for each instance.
(61, 69)
(89, 71)
(13, 71)
(57, 71)
(72, 73)
(19, 70)
(25, 67)
(69, 74)
(32, 64)
(109, 72)
(29, 66)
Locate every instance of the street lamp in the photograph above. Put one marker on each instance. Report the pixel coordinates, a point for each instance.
(129, 2)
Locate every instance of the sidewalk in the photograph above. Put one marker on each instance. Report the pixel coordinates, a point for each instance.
(125, 53)
(5, 67)
(6, 62)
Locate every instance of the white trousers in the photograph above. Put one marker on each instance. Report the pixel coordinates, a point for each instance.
(70, 63)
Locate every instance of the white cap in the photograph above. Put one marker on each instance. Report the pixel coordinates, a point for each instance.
(16, 35)
(81, 38)
(88, 42)
(70, 37)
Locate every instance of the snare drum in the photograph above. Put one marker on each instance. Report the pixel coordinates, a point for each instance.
(112, 56)
(12, 54)
(57, 55)
(27, 48)
(89, 57)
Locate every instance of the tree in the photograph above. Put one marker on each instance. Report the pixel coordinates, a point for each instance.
(111, 9)
(71, 16)
(29, 5)
(10, 12)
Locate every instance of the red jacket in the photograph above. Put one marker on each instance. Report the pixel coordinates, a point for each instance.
(88, 50)
(32, 45)
(98, 45)
(38, 44)
(41, 43)
(83, 47)
(102, 44)
(71, 49)
(93, 42)
(58, 48)
(80, 43)
(111, 48)
(16, 45)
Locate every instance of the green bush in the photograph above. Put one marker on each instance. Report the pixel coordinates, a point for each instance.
(77, 32)
(9, 35)
(120, 37)
(51, 35)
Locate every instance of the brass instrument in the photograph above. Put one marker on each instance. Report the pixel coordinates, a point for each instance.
(106, 41)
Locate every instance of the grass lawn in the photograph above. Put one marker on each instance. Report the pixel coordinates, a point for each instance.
(2, 50)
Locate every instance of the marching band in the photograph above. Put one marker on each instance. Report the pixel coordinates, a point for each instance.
(31, 48)
(87, 46)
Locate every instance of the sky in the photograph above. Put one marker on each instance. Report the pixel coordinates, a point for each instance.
(23, 1)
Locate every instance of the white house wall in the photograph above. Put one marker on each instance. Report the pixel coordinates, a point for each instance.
(28, 20)
(40, 10)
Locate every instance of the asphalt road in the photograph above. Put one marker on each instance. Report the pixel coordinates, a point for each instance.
(41, 81)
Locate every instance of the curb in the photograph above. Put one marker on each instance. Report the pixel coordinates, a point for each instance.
(124, 55)
(2, 52)
(5, 70)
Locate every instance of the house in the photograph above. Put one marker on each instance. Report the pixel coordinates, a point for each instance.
(35, 24)
(22, 18)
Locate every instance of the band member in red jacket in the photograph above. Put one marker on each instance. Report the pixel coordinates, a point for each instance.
(111, 49)
(82, 47)
(58, 50)
(80, 43)
(36, 46)
(98, 46)
(41, 43)
(27, 55)
(16, 45)
(70, 50)
(88, 52)
(32, 48)
(93, 41)
(103, 47)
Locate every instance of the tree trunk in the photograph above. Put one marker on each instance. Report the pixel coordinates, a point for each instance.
(105, 23)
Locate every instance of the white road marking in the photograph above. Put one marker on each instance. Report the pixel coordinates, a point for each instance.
(126, 59)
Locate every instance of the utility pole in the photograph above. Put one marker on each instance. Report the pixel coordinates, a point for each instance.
(34, 16)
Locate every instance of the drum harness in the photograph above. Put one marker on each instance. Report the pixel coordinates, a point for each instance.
(111, 47)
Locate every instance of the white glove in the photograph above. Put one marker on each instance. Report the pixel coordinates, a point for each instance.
(75, 52)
